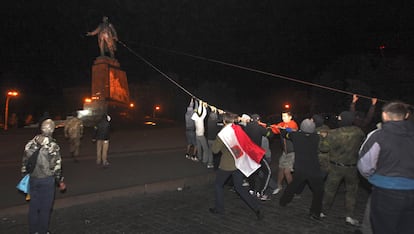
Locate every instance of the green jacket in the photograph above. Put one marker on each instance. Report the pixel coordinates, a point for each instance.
(343, 144)
(227, 162)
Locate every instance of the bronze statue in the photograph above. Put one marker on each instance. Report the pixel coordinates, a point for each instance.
(107, 37)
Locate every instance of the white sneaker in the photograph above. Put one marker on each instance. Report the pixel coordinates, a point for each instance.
(351, 221)
(276, 191)
(209, 166)
(264, 197)
(322, 215)
(245, 183)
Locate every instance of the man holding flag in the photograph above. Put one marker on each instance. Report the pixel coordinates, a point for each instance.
(239, 156)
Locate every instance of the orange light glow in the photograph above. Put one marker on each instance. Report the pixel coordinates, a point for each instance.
(131, 105)
(88, 100)
(12, 93)
(287, 106)
(157, 107)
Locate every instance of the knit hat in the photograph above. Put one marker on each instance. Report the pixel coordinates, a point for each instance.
(347, 118)
(318, 120)
(245, 117)
(307, 126)
(255, 117)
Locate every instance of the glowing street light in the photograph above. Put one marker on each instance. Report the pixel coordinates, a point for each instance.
(6, 111)
(382, 47)
(156, 108)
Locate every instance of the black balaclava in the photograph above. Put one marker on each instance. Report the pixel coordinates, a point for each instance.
(255, 117)
(318, 120)
(347, 118)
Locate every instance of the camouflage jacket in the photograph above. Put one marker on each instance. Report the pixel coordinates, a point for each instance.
(343, 144)
(73, 128)
(49, 159)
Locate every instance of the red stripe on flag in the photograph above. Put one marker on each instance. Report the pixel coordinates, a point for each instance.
(254, 151)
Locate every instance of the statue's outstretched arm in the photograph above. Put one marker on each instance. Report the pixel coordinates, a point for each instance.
(94, 32)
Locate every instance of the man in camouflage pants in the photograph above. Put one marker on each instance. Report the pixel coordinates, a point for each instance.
(74, 132)
(343, 144)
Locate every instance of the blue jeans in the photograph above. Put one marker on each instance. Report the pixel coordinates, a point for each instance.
(392, 211)
(42, 194)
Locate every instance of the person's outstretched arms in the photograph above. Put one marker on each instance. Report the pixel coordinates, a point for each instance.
(354, 100)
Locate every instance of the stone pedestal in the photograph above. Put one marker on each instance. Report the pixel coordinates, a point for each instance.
(109, 81)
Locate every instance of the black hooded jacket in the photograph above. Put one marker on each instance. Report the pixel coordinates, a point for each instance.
(102, 130)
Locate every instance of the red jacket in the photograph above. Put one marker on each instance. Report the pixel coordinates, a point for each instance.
(291, 124)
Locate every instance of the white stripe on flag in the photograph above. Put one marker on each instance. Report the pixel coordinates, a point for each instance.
(243, 162)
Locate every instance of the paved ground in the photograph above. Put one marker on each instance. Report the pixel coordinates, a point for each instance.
(187, 212)
(138, 194)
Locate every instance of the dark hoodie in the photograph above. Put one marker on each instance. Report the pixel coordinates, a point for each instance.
(102, 129)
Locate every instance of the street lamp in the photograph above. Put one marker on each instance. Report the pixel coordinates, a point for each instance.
(6, 112)
(156, 108)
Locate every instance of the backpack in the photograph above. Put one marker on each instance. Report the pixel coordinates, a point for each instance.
(31, 163)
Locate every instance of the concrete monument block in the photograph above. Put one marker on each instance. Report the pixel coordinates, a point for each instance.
(109, 81)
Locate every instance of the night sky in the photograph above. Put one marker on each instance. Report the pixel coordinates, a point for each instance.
(44, 48)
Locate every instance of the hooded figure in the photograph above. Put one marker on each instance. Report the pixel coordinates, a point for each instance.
(101, 137)
(319, 121)
(307, 167)
(343, 145)
(73, 131)
(346, 118)
(255, 117)
(46, 173)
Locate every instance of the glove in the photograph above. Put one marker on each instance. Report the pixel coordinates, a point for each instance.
(62, 187)
(23, 172)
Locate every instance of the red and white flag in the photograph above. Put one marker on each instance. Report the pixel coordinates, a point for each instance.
(246, 153)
